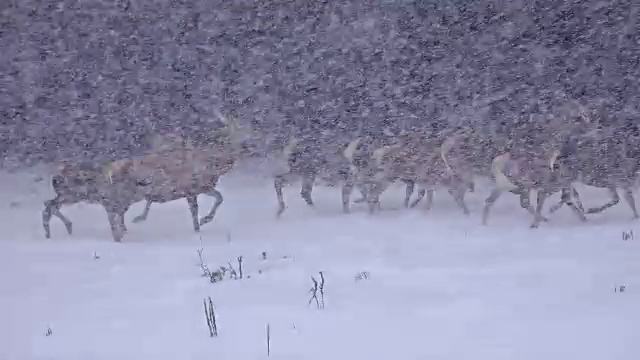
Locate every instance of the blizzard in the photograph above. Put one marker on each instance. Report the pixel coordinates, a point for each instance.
(400, 284)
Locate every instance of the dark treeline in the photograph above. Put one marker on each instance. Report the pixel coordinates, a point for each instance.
(91, 78)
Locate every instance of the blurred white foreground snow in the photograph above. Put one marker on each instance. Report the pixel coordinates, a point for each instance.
(440, 285)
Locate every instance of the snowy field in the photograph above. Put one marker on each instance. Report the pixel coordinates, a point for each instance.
(402, 284)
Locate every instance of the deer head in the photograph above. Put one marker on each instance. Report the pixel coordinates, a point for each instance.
(290, 148)
(233, 131)
(350, 150)
(379, 153)
(115, 168)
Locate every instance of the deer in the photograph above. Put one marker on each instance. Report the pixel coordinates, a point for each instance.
(598, 158)
(77, 182)
(184, 171)
(524, 166)
(302, 160)
(414, 160)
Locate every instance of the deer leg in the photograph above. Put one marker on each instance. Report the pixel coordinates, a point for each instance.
(114, 223)
(421, 194)
(121, 215)
(578, 210)
(278, 184)
(458, 196)
(374, 203)
(537, 218)
(307, 187)
(571, 198)
(52, 207)
(488, 203)
(471, 186)
(46, 216)
(615, 198)
(363, 196)
(373, 196)
(347, 188)
(429, 200)
(67, 223)
(525, 203)
(142, 217)
(565, 198)
(192, 200)
(408, 192)
(212, 213)
(628, 196)
(362, 188)
(576, 200)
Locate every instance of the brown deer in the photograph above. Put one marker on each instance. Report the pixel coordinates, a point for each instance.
(414, 159)
(88, 182)
(599, 158)
(302, 160)
(528, 162)
(181, 170)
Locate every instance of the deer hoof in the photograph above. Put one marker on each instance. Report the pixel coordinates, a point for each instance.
(138, 219)
(206, 220)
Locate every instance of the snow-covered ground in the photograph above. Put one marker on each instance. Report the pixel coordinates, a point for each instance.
(438, 285)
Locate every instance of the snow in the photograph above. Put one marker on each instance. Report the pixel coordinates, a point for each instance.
(439, 285)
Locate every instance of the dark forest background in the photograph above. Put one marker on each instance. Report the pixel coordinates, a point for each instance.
(89, 79)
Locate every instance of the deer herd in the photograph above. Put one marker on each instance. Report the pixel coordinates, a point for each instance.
(548, 160)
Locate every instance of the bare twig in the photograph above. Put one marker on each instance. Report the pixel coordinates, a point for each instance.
(362, 276)
(314, 292)
(205, 270)
(268, 340)
(232, 272)
(211, 317)
(321, 290)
